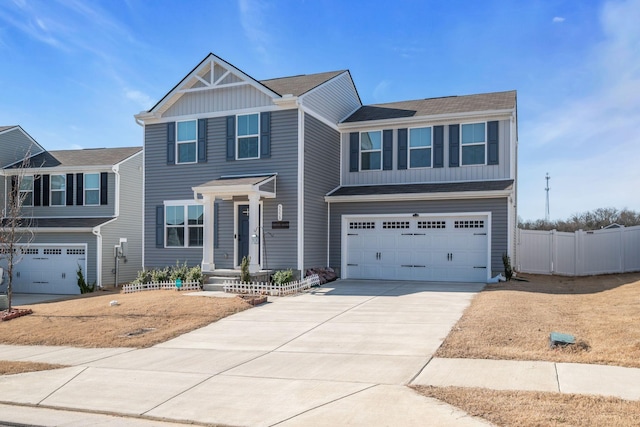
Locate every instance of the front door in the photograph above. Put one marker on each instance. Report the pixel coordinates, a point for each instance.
(244, 234)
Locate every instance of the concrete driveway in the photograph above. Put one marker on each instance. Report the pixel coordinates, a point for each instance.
(339, 355)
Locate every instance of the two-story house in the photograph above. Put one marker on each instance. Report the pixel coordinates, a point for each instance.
(79, 207)
(296, 173)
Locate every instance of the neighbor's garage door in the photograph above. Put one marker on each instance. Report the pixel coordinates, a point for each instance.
(48, 269)
(452, 249)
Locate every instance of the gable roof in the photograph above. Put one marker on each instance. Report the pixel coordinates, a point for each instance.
(86, 157)
(301, 84)
(434, 106)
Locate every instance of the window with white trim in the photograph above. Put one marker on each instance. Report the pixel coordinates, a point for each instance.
(91, 189)
(26, 190)
(184, 225)
(248, 136)
(186, 141)
(474, 144)
(371, 150)
(58, 190)
(420, 147)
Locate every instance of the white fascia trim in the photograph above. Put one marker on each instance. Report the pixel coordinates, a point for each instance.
(59, 230)
(316, 115)
(60, 170)
(434, 117)
(419, 196)
(155, 119)
(300, 260)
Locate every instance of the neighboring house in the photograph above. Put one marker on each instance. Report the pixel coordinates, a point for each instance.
(296, 173)
(80, 205)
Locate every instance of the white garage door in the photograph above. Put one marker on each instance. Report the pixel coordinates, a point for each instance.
(447, 248)
(49, 269)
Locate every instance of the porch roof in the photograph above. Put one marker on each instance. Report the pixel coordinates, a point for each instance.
(229, 186)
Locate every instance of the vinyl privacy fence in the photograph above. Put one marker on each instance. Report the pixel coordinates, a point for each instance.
(583, 253)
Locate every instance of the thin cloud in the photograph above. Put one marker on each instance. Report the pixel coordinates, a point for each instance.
(381, 90)
(558, 19)
(142, 99)
(252, 19)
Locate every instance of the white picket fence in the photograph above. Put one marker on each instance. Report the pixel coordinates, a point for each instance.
(266, 288)
(583, 253)
(138, 287)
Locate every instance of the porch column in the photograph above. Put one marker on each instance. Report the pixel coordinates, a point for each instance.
(254, 232)
(207, 244)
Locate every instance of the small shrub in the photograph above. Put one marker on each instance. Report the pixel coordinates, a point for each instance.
(85, 288)
(244, 270)
(195, 275)
(508, 270)
(143, 277)
(281, 277)
(160, 275)
(179, 272)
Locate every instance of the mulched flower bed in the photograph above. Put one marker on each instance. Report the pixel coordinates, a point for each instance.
(254, 299)
(13, 313)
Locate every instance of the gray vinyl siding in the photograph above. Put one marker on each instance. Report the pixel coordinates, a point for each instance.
(65, 238)
(14, 146)
(107, 210)
(128, 224)
(335, 99)
(498, 208)
(227, 99)
(419, 175)
(174, 182)
(321, 175)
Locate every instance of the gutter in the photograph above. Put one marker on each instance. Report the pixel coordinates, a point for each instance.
(418, 196)
(97, 232)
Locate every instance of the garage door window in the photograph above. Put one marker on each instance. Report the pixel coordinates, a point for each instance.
(469, 224)
(58, 187)
(432, 224)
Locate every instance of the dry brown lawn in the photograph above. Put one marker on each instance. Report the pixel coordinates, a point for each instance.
(533, 409)
(513, 320)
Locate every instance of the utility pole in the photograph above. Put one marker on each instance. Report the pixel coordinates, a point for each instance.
(546, 211)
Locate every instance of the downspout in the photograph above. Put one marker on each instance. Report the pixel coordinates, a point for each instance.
(300, 190)
(96, 231)
(144, 154)
(328, 231)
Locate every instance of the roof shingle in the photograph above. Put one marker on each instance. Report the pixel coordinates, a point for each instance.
(299, 85)
(448, 187)
(86, 157)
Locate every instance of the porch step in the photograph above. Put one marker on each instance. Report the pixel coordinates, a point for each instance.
(213, 287)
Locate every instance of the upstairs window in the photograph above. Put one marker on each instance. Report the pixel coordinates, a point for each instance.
(370, 150)
(58, 190)
(26, 190)
(91, 189)
(184, 233)
(248, 135)
(420, 147)
(474, 141)
(186, 141)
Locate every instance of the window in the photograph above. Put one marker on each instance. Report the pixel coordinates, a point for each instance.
(474, 139)
(420, 147)
(370, 150)
(248, 136)
(186, 142)
(92, 189)
(58, 187)
(176, 228)
(26, 190)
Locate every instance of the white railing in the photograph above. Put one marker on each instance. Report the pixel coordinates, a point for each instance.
(138, 287)
(273, 289)
(583, 253)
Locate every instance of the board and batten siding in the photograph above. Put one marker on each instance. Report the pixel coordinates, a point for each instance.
(14, 146)
(498, 208)
(174, 182)
(63, 239)
(226, 99)
(443, 174)
(321, 175)
(69, 211)
(128, 224)
(334, 99)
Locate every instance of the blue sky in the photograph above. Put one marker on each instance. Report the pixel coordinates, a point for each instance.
(74, 72)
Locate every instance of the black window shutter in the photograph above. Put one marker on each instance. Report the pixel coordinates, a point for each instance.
(79, 189)
(231, 137)
(37, 190)
(354, 152)
(14, 190)
(265, 134)
(69, 185)
(216, 208)
(171, 143)
(402, 148)
(438, 146)
(202, 140)
(160, 226)
(45, 190)
(387, 149)
(492, 148)
(104, 196)
(454, 146)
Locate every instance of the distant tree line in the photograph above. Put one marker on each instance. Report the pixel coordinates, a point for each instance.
(591, 220)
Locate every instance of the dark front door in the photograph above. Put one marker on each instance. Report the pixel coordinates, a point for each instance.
(243, 232)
